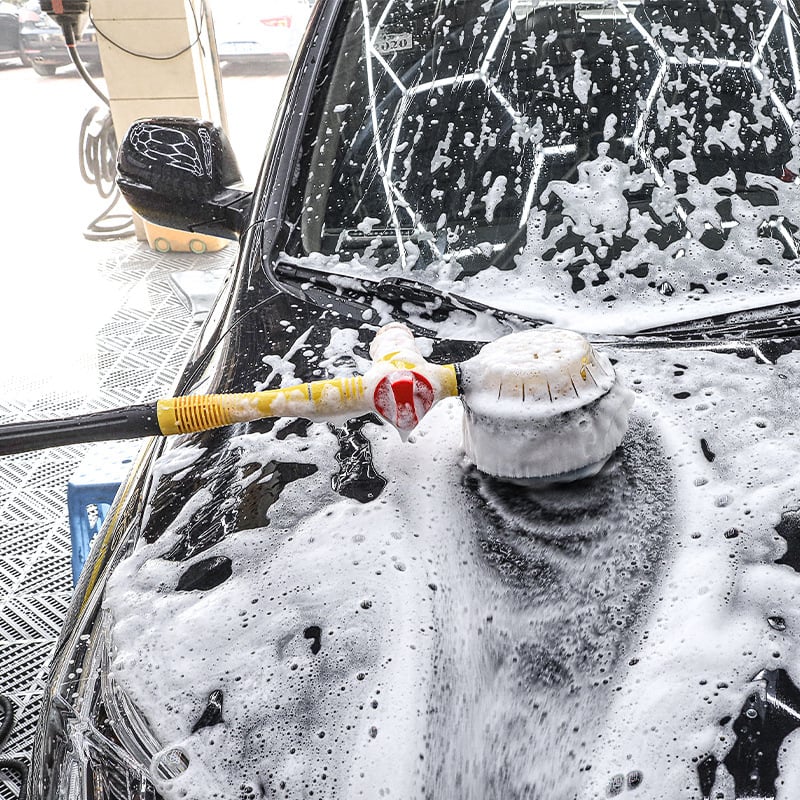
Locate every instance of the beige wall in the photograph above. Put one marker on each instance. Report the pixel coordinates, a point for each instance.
(137, 87)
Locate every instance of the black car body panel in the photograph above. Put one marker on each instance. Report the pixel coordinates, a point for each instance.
(366, 599)
(9, 32)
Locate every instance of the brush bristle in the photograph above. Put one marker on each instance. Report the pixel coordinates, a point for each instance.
(542, 405)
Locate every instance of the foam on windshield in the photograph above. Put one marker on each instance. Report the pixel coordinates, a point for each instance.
(648, 176)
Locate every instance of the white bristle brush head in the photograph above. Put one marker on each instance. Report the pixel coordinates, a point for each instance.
(542, 405)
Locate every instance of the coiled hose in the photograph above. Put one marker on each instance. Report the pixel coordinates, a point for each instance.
(97, 158)
(15, 765)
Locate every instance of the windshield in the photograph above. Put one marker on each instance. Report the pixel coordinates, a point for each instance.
(601, 164)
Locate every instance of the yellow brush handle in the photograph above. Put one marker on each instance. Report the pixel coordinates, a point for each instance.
(397, 360)
(319, 399)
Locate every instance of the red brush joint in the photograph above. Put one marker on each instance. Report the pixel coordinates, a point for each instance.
(403, 398)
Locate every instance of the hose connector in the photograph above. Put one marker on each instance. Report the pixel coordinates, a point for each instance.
(402, 384)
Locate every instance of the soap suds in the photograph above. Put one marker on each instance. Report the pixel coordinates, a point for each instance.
(460, 631)
(435, 633)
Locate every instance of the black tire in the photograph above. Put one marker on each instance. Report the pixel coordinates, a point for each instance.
(45, 70)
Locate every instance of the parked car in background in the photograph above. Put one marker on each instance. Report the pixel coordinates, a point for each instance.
(290, 608)
(9, 33)
(43, 43)
(253, 31)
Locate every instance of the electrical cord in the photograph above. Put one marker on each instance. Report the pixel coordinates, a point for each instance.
(198, 27)
(15, 765)
(72, 49)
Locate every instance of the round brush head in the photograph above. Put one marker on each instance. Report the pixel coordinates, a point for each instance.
(542, 405)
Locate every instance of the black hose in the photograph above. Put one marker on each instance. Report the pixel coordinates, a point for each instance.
(102, 229)
(15, 765)
(97, 158)
(69, 38)
(97, 151)
(8, 719)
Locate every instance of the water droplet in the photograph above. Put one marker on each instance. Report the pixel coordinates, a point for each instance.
(751, 713)
(616, 784)
(665, 288)
(635, 779)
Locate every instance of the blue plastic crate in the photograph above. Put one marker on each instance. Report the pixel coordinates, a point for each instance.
(90, 493)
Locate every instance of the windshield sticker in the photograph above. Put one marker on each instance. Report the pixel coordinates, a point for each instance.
(388, 43)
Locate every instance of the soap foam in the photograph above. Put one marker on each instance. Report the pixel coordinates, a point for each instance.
(508, 642)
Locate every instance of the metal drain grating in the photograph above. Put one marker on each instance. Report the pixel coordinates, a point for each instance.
(9, 786)
(137, 355)
(22, 539)
(49, 573)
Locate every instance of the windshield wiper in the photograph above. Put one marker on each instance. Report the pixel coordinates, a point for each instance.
(396, 290)
(777, 320)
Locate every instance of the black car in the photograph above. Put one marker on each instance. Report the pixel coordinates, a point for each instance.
(288, 608)
(43, 43)
(9, 32)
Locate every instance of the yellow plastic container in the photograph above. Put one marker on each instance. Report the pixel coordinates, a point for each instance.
(166, 240)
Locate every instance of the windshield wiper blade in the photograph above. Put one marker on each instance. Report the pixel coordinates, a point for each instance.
(397, 290)
(328, 293)
(769, 321)
(406, 290)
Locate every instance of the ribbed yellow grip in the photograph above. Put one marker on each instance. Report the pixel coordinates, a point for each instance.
(195, 413)
(320, 399)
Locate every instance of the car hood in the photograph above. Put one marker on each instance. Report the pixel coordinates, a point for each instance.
(383, 620)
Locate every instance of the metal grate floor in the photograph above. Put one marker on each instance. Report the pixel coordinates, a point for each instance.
(138, 349)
